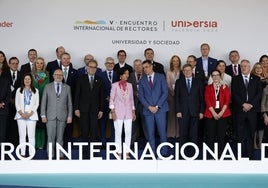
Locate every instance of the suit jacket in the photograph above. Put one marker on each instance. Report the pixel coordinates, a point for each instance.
(156, 96)
(26, 68)
(5, 93)
(83, 70)
(51, 67)
(135, 84)
(123, 104)
(192, 102)
(210, 100)
(229, 70)
(107, 86)
(71, 78)
(34, 103)
(198, 74)
(158, 68)
(17, 83)
(211, 64)
(239, 93)
(87, 100)
(54, 107)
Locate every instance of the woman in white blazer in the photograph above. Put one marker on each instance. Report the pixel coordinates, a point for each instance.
(27, 102)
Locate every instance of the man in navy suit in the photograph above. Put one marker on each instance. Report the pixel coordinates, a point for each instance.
(56, 64)
(234, 68)
(246, 95)
(121, 56)
(189, 103)
(70, 78)
(153, 93)
(83, 70)
(14, 77)
(138, 126)
(26, 68)
(206, 63)
(108, 76)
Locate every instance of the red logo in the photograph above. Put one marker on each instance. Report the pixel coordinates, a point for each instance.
(195, 24)
(6, 24)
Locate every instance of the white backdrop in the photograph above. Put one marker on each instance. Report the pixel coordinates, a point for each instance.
(47, 24)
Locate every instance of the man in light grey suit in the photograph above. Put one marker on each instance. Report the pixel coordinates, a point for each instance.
(56, 109)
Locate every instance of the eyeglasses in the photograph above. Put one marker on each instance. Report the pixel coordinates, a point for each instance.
(111, 63)
(215, 75)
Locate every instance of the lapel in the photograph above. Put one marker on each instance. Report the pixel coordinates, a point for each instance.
(242, 84)
(155, 80)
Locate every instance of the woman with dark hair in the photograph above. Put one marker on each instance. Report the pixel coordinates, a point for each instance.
(217, 99)
(5, 95)
(122, 109)
(3, 62)
(225, 78)
(27, 102)
(264, 62)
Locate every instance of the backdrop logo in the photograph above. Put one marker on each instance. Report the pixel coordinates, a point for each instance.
(6, 24)
(193, 26)
(90, 22)
(117, 25)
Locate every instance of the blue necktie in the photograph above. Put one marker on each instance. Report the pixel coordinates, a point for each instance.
(58, 89)
(188, 85)
(91, 82)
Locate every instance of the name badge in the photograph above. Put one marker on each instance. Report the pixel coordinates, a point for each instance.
(217, 105)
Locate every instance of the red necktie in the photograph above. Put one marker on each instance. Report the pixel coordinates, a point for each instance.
(150, 82)
(235, 69)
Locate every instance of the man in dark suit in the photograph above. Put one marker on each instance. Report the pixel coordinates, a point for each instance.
(14, 78)
(153, 93)
(138, 126)
(189, 104)
(233, 69)
(56, 64)
(121, 56)
(26, 68)
(108, 76)
(5, 94)
(157, 67)
(83, 70)
(88, 104)
(70, 78)
(206, 63)
(246, 95)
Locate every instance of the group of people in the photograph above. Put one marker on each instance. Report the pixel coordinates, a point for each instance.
(198, 102)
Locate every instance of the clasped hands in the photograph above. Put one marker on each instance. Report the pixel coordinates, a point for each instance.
(246, 107)
(153, 109)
